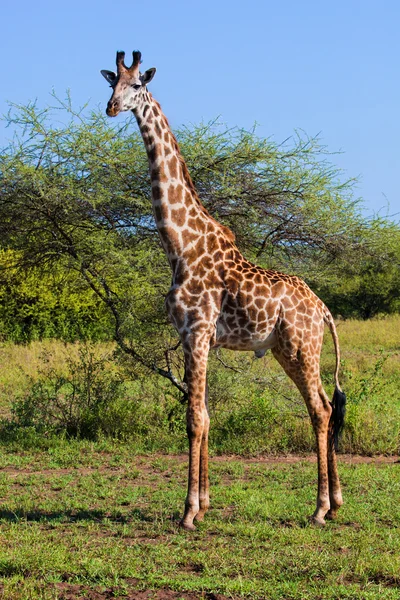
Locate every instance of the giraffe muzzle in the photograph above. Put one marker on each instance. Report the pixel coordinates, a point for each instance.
(112, 109)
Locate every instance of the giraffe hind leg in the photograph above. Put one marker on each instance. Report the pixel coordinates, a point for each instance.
(335, 492)
(306, 377)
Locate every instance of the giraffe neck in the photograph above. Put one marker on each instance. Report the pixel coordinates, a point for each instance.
(180, 217)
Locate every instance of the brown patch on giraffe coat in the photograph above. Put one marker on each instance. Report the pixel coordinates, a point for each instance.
(160, 212)
(181, 273)
(175, 195)
(197, 223)
(206, 305)
(156, 192)
(248, 286)
(207, 263)
(188, 237)
(263, 290)
(216, 296)
(158, 129)
(248, 275)
(278, 288)
(200, 247)
(302, 307)
(232, 285)
(188, 199)
(173, 167)
(190, 256)
(287, 302)
(154, 152)
(212, 279)
(253, 313)
(195, 286)
(260, 302)
(171, 239)
(229, 264)
(200, 271)
(178, 216)
(212, 243)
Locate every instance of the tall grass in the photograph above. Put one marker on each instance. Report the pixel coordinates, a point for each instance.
(254, 407)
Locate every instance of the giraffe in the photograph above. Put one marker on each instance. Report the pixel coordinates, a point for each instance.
(219, 299)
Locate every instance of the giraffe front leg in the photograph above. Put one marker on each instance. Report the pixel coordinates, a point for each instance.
(204, 495)
(197, 421)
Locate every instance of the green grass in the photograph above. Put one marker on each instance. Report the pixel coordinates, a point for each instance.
(104, 519)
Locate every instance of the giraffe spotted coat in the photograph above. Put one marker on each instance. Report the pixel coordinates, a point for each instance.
(220, 299)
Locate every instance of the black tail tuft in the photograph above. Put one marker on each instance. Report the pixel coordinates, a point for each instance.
(338, 414)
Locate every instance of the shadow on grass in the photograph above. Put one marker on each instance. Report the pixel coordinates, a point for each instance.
(72, 516)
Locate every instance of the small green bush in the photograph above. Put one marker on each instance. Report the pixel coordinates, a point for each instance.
(92, 397)
(74, 402)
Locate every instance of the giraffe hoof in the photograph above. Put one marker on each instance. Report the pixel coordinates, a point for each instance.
(199, 517)
(318, 521)
(331, 515)
(187, 526)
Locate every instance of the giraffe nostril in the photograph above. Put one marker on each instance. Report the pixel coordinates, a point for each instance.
(112, 108)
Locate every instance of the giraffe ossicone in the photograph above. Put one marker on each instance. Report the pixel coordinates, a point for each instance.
(220, 299)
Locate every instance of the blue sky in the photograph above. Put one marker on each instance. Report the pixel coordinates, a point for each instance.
(324, 67)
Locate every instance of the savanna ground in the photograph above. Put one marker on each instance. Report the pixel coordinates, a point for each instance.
(99, 519)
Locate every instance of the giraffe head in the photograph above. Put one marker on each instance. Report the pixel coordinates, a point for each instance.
(127, 84)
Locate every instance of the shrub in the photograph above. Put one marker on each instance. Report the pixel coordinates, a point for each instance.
(75, 401)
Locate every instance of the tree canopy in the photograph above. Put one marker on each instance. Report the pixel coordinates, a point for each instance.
(75, 207)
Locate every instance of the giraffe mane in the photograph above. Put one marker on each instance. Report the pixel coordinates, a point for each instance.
(189, 182)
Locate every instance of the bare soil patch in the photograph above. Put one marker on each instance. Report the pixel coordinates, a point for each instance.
(144, 464)
(312, 458)
(68, 591)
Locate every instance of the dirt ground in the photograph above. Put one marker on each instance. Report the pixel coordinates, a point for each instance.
(68, 591)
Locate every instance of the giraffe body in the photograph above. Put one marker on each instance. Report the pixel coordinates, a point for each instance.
(219, 299)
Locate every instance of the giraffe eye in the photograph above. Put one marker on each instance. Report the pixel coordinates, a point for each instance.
(136, 86)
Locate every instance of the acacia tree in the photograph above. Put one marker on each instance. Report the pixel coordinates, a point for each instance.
(76, 194)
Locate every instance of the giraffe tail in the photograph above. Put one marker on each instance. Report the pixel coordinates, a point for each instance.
(339, 397)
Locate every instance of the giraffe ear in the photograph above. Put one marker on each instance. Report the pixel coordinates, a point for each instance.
(110, 76)
(148, 76)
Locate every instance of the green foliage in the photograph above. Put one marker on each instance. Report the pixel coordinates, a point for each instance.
(74, 402)
(373, 411)
(57, 304)
(90, 397)
(370, 285)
